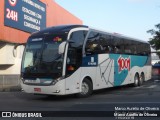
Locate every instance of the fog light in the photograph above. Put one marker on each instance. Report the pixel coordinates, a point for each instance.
(57, 91)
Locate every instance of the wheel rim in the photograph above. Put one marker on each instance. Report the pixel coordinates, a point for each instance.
(85, 88)
(136, 80)
(142, 77)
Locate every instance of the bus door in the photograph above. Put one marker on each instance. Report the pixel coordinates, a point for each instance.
(74, 61)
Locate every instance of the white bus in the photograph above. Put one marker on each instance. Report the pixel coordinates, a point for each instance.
(77, 59)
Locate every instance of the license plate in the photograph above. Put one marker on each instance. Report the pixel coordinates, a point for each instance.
(37, 89)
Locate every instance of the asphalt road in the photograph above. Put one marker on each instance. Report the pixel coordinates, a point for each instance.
(146, 96)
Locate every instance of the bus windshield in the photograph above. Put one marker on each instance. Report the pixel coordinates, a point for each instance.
(41, 58)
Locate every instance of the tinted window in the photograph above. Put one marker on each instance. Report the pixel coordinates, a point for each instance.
(117, 45)
(78, 37)
(105, 42)
(99, 43)
(92, 45)
(143, 48)
(130, 47)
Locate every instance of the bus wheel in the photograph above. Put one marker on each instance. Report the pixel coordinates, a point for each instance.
(142, 79)
(136, 80)
(86, 88)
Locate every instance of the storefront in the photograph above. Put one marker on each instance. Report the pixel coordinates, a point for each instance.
(20, 18)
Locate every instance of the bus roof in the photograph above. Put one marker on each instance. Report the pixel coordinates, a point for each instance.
(60, 28)
(117, 35)
(67, 28)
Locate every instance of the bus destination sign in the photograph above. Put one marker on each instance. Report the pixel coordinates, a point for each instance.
(25, 15)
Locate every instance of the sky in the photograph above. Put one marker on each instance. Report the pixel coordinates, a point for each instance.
(127, 17)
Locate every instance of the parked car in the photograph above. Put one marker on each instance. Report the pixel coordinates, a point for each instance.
(156, 70)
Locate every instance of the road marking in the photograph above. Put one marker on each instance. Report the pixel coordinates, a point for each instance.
(145, 86)
(156, 80)
(152, 86)
(138, 87)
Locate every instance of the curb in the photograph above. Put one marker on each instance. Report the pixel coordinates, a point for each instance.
(11, 89)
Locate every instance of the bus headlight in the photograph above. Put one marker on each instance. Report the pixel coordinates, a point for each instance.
(54, 82)
(59, 79)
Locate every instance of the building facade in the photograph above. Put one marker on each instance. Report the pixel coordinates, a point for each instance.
(20, 18)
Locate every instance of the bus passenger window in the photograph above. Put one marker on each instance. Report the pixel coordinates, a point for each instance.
(116, 50)
(92, 44)
(107, 49)
(78, 38)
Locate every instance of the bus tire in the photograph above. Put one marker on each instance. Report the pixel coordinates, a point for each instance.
(136, 80)
(141, 79)
(86, 88)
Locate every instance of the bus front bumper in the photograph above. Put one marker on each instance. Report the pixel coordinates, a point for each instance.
(57, 89)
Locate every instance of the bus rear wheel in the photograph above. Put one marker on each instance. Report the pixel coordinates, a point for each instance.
(136, 80)
(86, 88)
(142, 79)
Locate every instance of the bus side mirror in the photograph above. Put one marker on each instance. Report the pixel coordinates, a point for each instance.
(62, 47)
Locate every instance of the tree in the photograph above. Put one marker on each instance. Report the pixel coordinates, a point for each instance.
(155, 41)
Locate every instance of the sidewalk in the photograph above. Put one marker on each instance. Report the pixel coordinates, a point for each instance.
(10, 89)
(9, 83)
